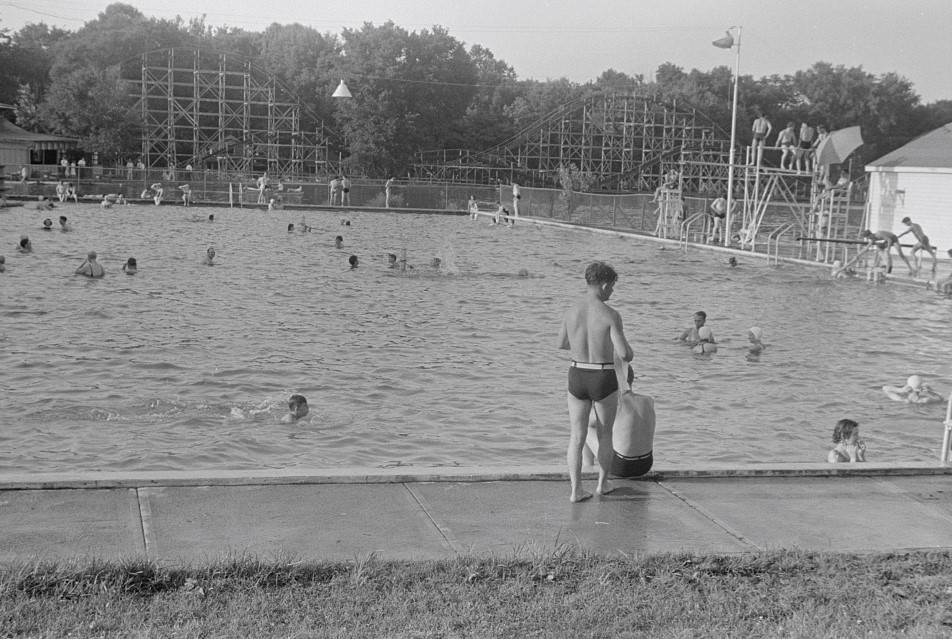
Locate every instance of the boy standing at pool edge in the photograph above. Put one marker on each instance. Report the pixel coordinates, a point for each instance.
(592, 332)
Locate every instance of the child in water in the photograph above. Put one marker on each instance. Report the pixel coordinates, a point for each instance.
(914, 392)
(706, 343)
(848, 446)
(754, 335)
(130, 267)
(297, 408)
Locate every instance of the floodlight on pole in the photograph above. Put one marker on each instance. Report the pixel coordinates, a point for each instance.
(728, 42)
(341, 91)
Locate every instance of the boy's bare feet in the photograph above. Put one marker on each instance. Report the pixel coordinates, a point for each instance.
(581, 495)
(605, 488)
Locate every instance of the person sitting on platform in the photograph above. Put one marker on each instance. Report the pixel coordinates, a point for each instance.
(632, 433)
(787, 141)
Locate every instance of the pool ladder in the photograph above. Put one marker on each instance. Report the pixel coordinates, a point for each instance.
(774, 237)
(947, 438)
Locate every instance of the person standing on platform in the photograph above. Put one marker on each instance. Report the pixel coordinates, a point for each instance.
(787, 141)
(761, 130)
(805, 152)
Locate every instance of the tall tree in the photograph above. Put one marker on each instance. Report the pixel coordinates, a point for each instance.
(409, 91)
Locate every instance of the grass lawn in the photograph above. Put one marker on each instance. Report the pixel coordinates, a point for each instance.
(560, 592)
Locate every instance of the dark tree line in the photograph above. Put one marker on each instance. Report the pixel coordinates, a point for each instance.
(413, 91)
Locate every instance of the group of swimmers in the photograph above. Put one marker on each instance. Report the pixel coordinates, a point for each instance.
(700, 338)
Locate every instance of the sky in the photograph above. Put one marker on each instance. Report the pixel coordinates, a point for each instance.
(579, 40)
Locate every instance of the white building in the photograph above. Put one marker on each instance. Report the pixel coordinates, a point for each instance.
(914, 181)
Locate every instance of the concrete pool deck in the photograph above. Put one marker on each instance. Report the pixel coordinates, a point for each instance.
(415, 514)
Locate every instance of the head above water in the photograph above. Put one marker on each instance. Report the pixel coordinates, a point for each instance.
(906, 220)
(600, 273)
(699, 318)
(297, 405)
(131, 262)
(756, 333)
(91, 255)
(914, 382)
(354, 261)
(47, 222)
(844, 430)
(210, 252)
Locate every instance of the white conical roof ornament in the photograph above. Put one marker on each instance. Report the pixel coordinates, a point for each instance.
(342, 91)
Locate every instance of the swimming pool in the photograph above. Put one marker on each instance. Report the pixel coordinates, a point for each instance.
(185, 366)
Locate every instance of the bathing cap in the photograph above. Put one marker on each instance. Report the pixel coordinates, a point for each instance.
(914, 382)
(756, 332)
(704, 333)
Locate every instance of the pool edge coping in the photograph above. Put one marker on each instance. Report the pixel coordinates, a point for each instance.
(403, 474)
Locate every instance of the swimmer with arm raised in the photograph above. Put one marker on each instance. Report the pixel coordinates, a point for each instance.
(593, 333)
(914, 392)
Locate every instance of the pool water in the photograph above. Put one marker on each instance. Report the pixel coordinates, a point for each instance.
(188, 366)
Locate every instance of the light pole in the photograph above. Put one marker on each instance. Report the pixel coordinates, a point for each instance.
(728, 42)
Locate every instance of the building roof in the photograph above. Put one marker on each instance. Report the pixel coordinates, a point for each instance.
(11, 133)
(932, 150)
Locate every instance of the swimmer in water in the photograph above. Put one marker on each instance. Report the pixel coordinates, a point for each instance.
(690, 335)
(849, 447)
(24, 246)
(436, 263)
(211, 217)
(754, 336)
(339, 242)
(130, 267)
(291, 228)
(297, 408)
(705, 342)
(105, 203)
(914, 392)
(3, 264)
(354, 262)
(64, 224)
(209, 257)
(47, 224)
(90, 267)
(732, 262)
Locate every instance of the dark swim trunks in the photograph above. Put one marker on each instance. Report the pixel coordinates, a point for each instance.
(631, 466)
(592, 384)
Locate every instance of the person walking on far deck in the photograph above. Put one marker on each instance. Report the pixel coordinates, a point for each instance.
(516, 196)
(344, 191)
(922, 244)
(334, 187)
(387, 191)
(592, 332)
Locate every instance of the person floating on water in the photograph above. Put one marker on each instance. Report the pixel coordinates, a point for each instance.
(592, 332)
(90, 267)
(914, 392)
(848, 446)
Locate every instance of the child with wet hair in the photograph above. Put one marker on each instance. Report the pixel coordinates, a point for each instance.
(297, 408)
(848, 446)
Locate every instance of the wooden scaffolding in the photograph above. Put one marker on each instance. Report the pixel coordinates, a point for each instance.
(216, 110)
(620, 142)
